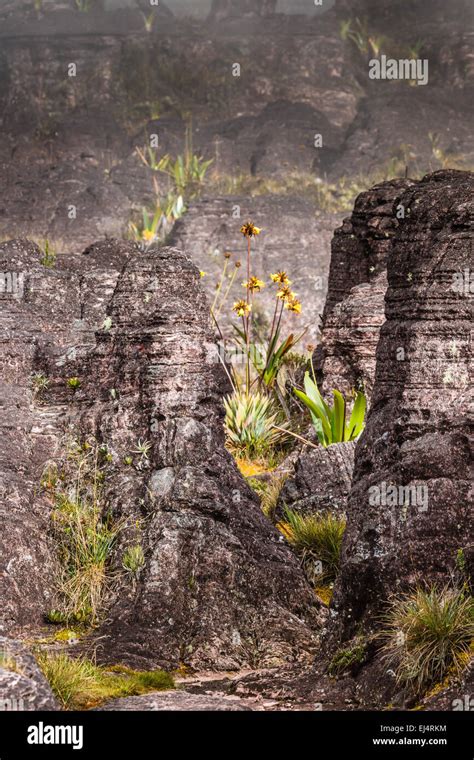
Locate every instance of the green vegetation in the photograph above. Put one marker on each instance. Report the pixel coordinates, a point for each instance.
(348, 658)
(186, 172)
(330, 421)
(133, 560)
(83, 5)
(317, 539)
(156, 225)
(428, 634)
(48, 255)
(80, 684)
(84, 531)
(268, 491)
(8, 662)
(74, 383)
(250, 425)
(39, 382)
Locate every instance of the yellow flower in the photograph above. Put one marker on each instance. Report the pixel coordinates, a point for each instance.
(293, 305)
(285, 293)
(148, 235)
(202, 274)
(250, 230)
(242, 308)
(281, 278)
(254, 284)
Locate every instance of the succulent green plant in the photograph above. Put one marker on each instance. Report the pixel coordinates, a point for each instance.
(330, 421)
(250, 425)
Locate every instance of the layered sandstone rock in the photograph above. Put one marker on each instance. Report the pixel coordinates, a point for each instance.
(354, 310)
(47, 316)
(409, 507)
(321, 481)
(219, 587)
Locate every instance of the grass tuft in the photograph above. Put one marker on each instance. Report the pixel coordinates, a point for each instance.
(80, 684)
(428, 634)
(317, 538)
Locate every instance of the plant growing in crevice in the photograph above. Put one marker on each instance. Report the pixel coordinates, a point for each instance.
(73, 383)
(330, 421)
(427, 635)
(269, 491)
(40, 383)
(317, 539)
(188, 170)
(85, 533)
(133, 561)
(156, 224)
(250, 425)
(48, 255)
(348, 659)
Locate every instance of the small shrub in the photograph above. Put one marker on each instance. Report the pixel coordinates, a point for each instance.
(249, 425)
(80, 684)
(268, 491)
(74, 383)
(317, 538)
(157, 224)
(427, 634)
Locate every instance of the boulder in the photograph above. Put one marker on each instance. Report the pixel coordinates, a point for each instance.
(22, 684)
(321, 481)
(47, 316)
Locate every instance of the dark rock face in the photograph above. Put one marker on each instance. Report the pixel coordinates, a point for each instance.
(409, 503)
(354, 310)
(219, 587)
(321, 481)
(22, 684)
(47, 316)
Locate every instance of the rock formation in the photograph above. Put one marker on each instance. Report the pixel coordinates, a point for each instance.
(409, 507)
(22, 684)
(354, 310)
(321, 480)
(219, 587)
